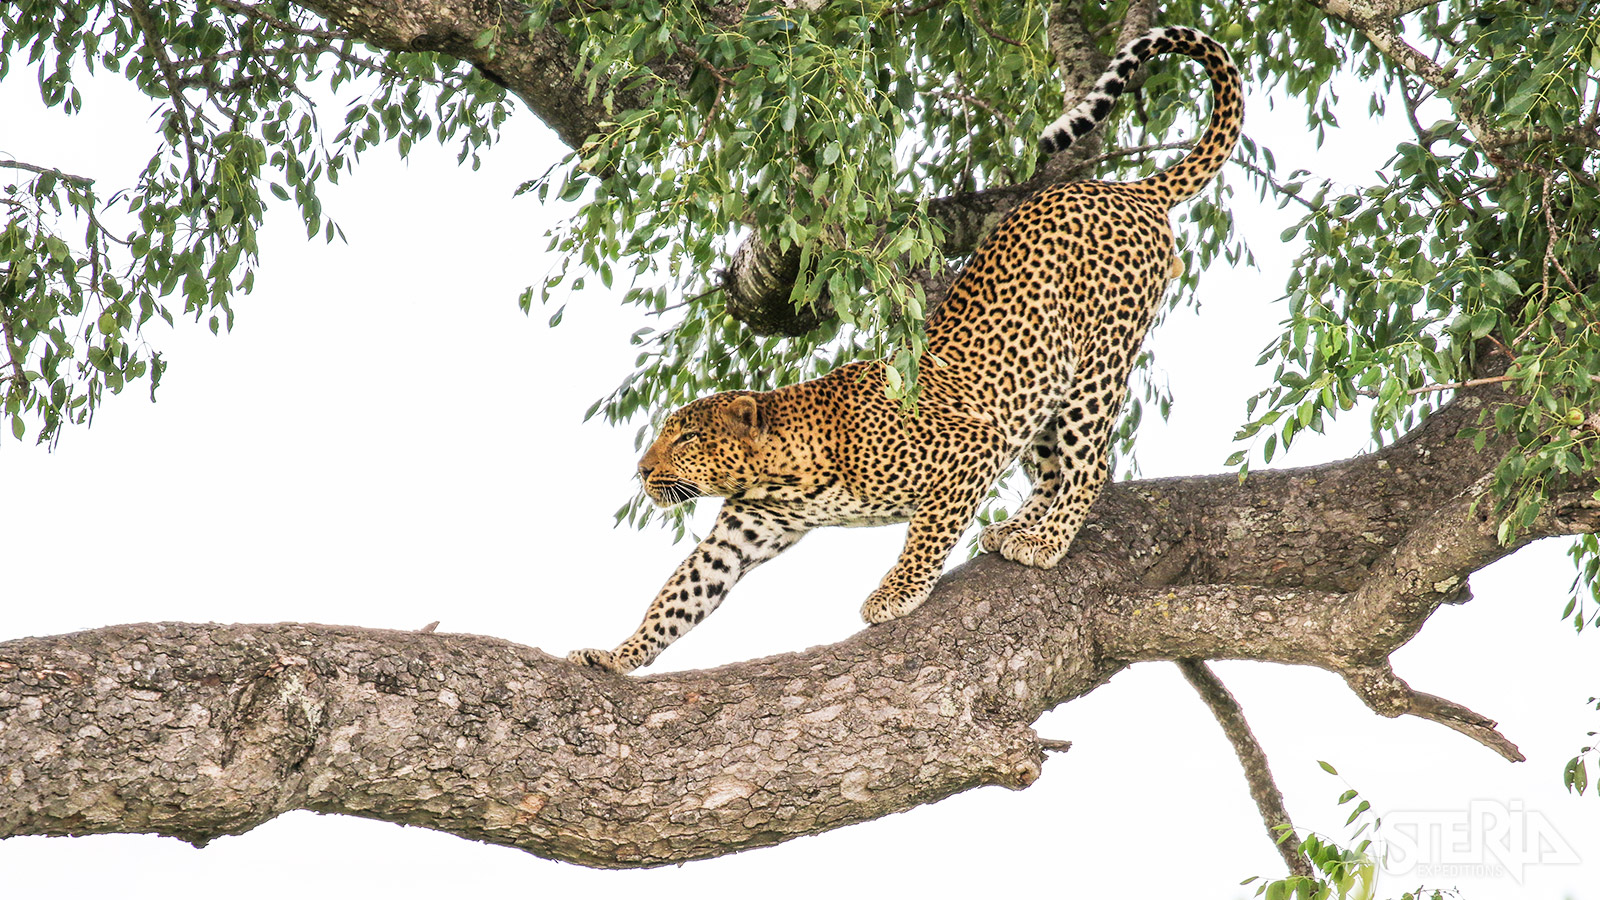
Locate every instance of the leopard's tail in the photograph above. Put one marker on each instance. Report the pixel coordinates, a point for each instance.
(1182, 181)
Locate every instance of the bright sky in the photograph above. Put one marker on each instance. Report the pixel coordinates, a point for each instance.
(385, 440)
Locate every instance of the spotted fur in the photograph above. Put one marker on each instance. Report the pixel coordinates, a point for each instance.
(1029, 356)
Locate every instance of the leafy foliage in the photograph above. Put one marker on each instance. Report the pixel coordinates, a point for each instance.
(1575, 775)
(1344, 873)
(825, 131)
(1473, 261)
(83, 270)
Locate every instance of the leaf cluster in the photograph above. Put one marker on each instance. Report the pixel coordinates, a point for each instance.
(1338, 872)
(1465, 264)
(84, 270)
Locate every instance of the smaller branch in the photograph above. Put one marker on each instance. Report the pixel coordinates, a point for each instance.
(1136, 20)
(1551, 232)
(977, 17)
(1267, 177)
(1425, 137)
(1269, 800)
(1388, 695)
(711, 114)
(193, 61)
(1074, 51)
(1131, 151)
(139, 11)
(365, 65)
(1050, 745)
(1376, 22)
(978, 102)
(44, 170)
(685, 302)
(717, 72)
(19, 378)
(919, 9)
(1455, 386)
(260, 15)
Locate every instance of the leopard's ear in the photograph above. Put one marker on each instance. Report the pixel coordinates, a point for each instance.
(743, 416)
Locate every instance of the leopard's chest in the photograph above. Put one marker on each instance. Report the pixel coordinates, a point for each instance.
(828, 503)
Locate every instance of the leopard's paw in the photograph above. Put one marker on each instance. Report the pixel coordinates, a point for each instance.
(1031, 548)
(885, 604)
(596, 659)
(994, 536)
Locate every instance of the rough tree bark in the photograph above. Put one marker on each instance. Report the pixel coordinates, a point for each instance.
(197, 731)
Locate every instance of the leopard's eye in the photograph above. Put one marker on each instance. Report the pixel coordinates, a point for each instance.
(686, 437)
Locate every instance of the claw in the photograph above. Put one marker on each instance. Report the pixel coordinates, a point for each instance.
(595, 659)
(884, 605)
(1031, 549)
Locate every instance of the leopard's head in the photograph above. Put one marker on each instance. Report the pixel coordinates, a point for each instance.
(711, 447)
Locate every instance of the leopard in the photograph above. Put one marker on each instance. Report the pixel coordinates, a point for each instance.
(1027, 358)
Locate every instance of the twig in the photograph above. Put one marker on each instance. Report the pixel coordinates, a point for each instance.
(972, 11)
(978, 102)
(1130, 151)
(1551, 231)
(1252, 167)
(260, 15)
(142, 17)
(918, 9)
(682, 303)
(1269, 800)
(1425, 136)
(1496, 379)
(44, 170)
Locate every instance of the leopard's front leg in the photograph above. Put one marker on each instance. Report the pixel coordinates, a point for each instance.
(743, 537)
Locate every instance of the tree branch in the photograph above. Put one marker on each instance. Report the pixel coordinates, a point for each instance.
(1388, 695)
(538, 66)
(1376, 21)
(139, 12)
(202, 730)
(78, 180)
(1269, 800)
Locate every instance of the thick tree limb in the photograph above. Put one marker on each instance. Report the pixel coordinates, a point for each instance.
(202, 730)
(538, 66)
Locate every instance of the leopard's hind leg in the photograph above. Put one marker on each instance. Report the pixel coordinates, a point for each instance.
(1082, 431)
(1042, 462)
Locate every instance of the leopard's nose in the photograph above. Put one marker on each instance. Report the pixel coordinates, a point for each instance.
(644, 471)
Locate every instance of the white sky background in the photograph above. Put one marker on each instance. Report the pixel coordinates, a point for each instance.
(385, 440)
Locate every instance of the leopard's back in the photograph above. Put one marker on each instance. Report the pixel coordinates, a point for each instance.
(1062, 291)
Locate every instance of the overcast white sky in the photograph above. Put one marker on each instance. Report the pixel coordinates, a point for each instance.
(385, 440)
